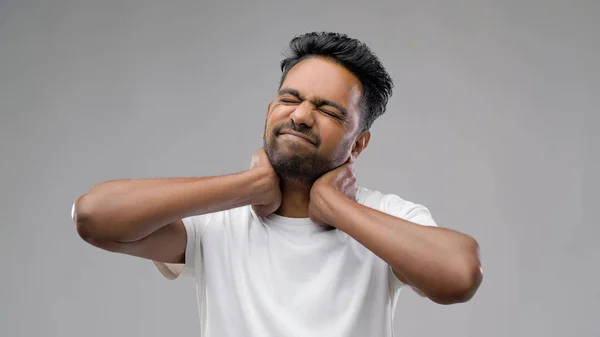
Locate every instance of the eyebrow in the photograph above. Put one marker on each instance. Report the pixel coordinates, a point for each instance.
(315, 101)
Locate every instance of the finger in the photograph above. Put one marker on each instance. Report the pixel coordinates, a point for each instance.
(350, 165)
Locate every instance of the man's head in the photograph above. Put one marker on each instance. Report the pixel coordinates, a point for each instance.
(331, 91)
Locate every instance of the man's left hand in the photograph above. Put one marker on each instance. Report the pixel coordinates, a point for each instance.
(340, 181)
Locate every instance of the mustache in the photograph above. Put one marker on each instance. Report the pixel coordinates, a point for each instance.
(305, 130)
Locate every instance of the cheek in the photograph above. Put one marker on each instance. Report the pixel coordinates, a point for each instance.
(333, 138)
(277, 115)
(281, 110)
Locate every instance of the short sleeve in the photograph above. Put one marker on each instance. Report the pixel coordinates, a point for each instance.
(408, 211)
(195, 227)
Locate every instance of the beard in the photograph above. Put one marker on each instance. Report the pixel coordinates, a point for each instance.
(297, 162)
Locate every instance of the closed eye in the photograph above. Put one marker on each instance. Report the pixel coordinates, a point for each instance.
(292, 96)
(331, 114)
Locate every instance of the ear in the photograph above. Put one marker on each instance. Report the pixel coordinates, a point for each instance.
(361, 143)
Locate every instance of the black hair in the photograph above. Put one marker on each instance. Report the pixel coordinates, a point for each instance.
(353, 55)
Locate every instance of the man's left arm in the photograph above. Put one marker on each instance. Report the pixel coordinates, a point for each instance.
(441, 263)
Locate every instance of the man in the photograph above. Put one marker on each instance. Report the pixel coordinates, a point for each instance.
(292, 246)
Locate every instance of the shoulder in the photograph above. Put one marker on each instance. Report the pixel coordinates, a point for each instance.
(383, 201)
(234, 219)
(234, 215)
(395, 205)
(242, 212)
(228, 223)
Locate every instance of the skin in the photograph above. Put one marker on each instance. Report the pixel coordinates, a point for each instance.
(333, 128)
(319, 101)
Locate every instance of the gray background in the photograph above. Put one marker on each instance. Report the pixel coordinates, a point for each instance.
(491, 126)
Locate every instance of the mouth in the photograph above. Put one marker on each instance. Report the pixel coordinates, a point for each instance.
(297, 135)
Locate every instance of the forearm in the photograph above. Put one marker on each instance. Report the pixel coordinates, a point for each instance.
(128, 210)
(441, 263)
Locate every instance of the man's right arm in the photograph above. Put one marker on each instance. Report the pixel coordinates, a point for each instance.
(142, 217)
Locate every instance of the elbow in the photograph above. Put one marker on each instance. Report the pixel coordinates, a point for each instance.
(98, 221)
(468, 278)
(83, 215)
(462, 291)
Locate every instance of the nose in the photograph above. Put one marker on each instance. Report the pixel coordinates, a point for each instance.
(303, 114)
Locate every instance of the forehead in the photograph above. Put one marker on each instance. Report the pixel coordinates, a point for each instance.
(321, 78)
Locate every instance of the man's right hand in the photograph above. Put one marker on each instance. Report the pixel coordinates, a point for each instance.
(271, 200)
(143, 217)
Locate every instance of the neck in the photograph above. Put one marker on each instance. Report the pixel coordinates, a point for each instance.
(295, 198)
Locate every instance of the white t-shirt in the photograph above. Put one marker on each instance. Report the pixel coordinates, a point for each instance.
(278, 276)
